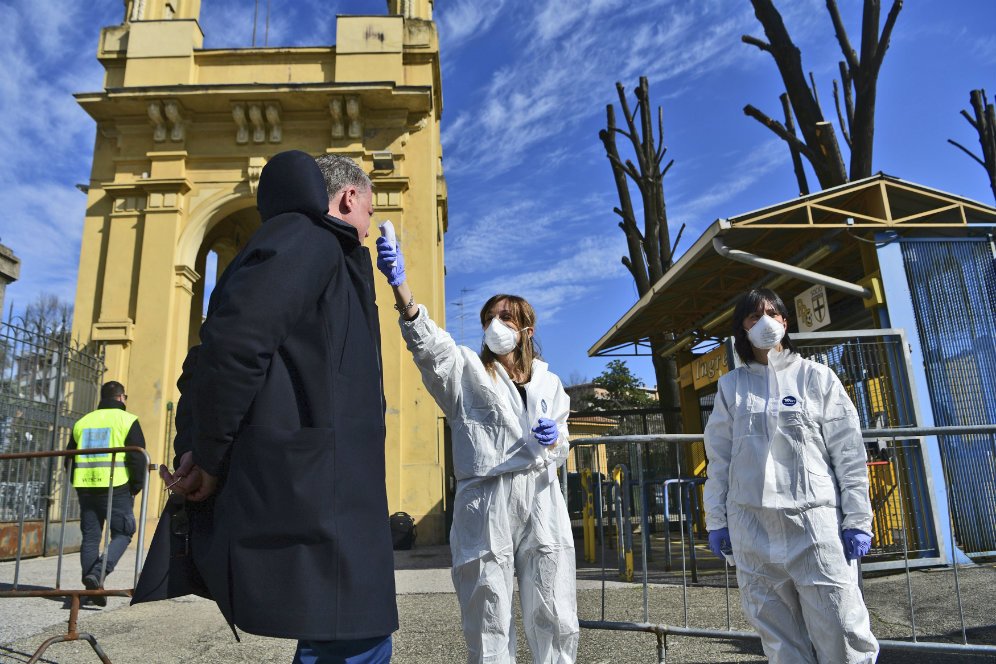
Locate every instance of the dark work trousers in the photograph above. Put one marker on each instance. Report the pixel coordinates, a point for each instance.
(93, 511)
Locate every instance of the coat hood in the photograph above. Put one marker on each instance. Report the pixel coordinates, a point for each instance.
(292, 182)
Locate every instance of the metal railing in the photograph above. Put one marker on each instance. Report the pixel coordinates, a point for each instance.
(72, 594)
(597, 508)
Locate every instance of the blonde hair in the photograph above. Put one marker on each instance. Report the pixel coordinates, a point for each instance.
(523, 316)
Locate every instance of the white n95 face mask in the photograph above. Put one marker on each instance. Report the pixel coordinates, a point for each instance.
(500, 338)
(766, 333)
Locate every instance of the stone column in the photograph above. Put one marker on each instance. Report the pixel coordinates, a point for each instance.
(10, 270)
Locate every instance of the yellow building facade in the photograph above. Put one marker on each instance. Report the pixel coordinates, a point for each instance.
(182, 135)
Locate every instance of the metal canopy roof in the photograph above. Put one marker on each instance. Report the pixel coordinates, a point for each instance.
(813, 231)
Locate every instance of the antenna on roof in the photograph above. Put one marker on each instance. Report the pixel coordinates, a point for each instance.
(255, 14)
(266, 35)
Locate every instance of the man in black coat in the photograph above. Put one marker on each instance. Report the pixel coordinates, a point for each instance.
(283, 414)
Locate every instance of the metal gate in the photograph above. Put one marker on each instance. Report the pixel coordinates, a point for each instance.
(47, 382)
(952, 285)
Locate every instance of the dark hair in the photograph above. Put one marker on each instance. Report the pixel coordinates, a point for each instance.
(111, 390)
(527, 349)
(748, 304)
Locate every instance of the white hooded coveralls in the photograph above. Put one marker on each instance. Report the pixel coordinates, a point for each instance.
(787, 474)
(509, 513)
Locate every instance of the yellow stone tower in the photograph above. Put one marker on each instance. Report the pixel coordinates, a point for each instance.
(182, 135)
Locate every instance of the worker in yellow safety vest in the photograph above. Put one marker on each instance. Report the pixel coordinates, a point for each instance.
(106, 488)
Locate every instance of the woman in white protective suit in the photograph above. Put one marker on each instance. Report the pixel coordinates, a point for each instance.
(788, 492)
(508, 416)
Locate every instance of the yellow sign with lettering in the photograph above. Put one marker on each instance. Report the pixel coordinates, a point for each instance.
(707, 369)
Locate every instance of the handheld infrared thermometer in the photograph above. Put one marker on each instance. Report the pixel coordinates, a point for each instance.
(387, 230)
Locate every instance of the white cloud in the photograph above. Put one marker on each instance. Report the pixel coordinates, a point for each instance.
(740, 175)
(47, 223)
(464, 20)
(582, 269)
(554, 82)
(47, 137)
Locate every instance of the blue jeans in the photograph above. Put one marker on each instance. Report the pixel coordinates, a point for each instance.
(93, 510)
(361, 651)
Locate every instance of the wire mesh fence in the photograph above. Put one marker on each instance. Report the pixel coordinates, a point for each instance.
(617, 541)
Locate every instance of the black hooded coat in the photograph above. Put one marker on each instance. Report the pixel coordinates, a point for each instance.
(284, 402)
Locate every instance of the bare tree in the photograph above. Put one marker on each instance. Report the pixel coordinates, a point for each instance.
(650, 250)
(984, 124)
(859, 78)
(49, 313)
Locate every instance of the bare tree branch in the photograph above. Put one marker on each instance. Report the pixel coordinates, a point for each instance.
(883, 42)
(754, 41)
(821, 146)
(840, 116)
(631, 123)
(800, 173)
(623, 132)
(984, 124)
(659, 152)
(637, 266)
(847, 83)
(816, 95)
(967, 151)
(971, 120)
(779, 131)
(677, 239)
(838, 27)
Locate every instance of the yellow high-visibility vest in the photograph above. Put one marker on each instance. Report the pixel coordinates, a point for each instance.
(106, 427)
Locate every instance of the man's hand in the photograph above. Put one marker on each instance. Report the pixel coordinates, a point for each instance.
(189, 480)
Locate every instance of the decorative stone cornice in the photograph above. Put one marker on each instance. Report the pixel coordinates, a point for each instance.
(166, 115)
(186, 277)
(346, 112)
(142, 195)
(259, 116)
(255, 169)
(120, 331)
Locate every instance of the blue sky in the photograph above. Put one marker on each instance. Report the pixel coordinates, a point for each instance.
(525, 87)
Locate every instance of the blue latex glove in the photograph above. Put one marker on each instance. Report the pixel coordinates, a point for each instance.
(387, 254)
(546, 431)
(719, 542)
(857, 543)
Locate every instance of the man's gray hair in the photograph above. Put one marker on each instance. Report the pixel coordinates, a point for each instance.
(341, 172)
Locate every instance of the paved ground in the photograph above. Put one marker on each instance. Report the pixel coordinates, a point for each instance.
(190, 630)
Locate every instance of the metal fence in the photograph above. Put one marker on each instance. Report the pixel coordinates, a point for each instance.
(875, 368)
(47, 382)
(660, 461)
(619, 535)
(75, 596)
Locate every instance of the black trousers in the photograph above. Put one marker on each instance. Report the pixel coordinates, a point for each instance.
(93, 514)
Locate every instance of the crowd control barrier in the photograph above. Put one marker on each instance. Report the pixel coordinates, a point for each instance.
(73, 595)
(690, 517)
